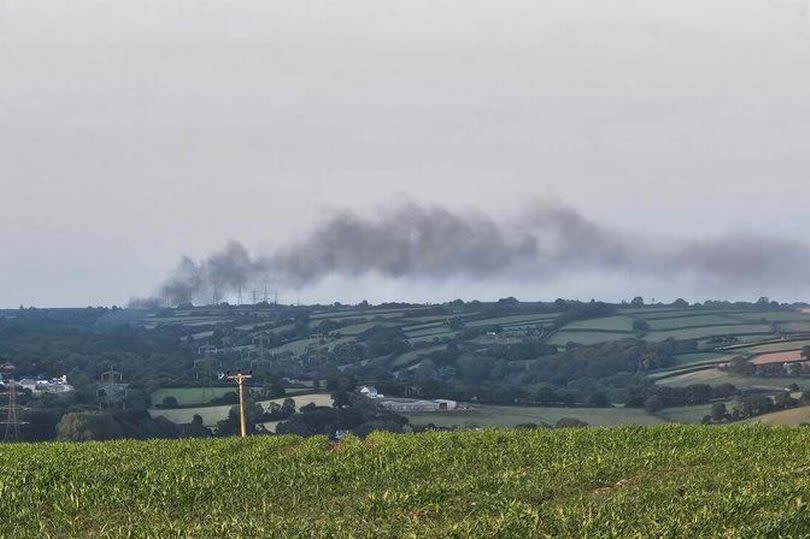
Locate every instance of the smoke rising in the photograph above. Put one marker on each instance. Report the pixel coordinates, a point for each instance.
(430, 242)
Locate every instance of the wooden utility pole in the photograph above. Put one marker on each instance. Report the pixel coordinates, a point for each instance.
(240, 378)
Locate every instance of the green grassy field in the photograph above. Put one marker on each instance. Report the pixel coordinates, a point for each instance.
(436, 331)
(509, 416)
(715, 376)
(514, 319)
(357, 329)
(189, 396)
(691, 321)
(685, 414)
(684, 360)
(796, 327)
(608, 323)
(211, 414)
(561, 338)
(763, 330)
(664, 481)
(200, 396)
(410, 357)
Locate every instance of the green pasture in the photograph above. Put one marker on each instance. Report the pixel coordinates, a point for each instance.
(211, 414)
(563, 337)
(608, 323)
(709, 331)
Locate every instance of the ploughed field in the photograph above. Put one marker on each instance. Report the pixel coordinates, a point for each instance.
(660, 481)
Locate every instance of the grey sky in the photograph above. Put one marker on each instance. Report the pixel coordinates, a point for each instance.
(134, 132)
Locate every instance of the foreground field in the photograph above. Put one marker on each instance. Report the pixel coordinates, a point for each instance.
(664, 481)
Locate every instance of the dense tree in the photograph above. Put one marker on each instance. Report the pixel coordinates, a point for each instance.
(254, 414)
(570, 422)
(169, 402)
(341, 386)
(653, 404)
(195, 429)
(641, 326)
(719, 412)
(599, 400)
(81, 426)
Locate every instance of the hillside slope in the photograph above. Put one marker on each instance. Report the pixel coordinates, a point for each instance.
(791, 417)
(668, 480)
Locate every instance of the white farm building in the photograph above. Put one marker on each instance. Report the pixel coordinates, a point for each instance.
(371, 392)
(408, 405)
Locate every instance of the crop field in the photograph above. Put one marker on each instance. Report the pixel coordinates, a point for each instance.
(715, 376)
(682, 372)
(509, 416)
(780, 346)
(778, 357)
(211, 414)
(664, 481)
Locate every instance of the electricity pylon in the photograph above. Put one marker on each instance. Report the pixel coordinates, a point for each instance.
(12, 433)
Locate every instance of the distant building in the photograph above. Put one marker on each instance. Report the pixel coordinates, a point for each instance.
(371, 392)
(40, 385)
(446, 404)
(411, 406)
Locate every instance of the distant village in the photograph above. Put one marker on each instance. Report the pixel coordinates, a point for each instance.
(34, 385)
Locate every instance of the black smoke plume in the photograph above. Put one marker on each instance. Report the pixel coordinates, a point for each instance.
(431, 242)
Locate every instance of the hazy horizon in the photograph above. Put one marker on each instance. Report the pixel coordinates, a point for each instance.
(135, 133)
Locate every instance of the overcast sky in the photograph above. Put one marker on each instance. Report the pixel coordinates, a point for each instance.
(133, 132)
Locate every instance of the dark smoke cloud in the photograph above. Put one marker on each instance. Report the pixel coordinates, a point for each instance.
(431, 242)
